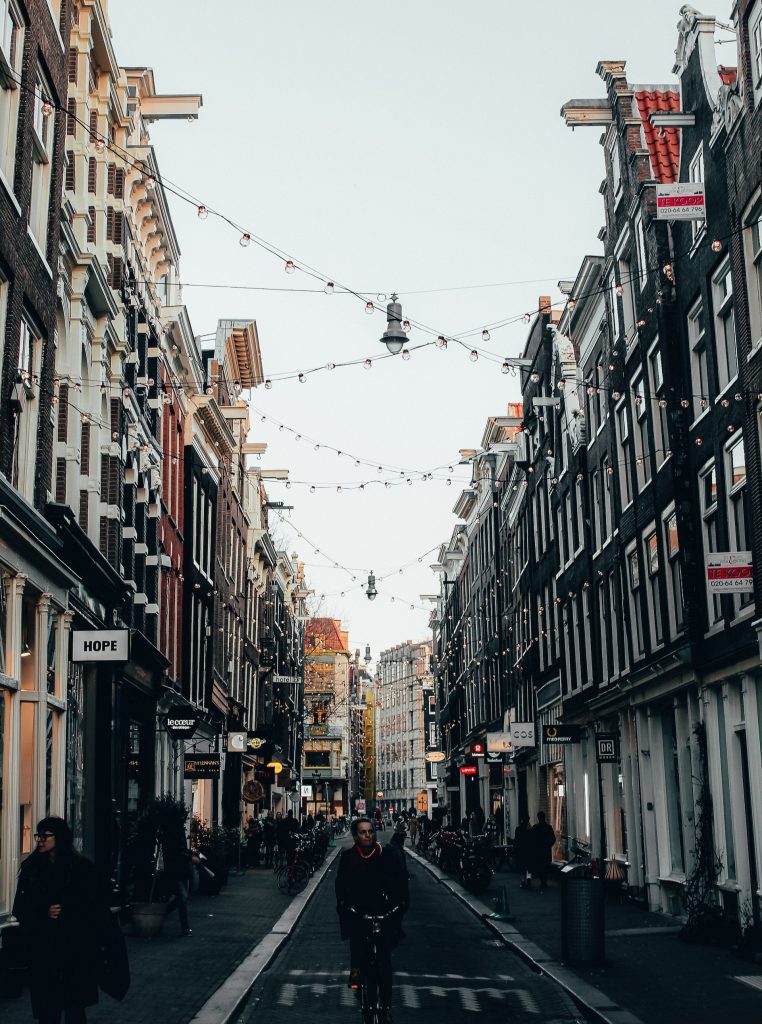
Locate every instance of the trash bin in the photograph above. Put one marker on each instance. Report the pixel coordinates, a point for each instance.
(583, 902)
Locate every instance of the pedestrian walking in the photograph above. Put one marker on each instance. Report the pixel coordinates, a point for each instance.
(61, 905)
(269, 838)
(253, 843)
(521, 852)
(542, 839)
(412, 827)
(379, 816)
(178, 866)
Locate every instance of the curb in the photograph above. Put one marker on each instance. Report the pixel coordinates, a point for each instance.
(596, 1005)
(227, 1000)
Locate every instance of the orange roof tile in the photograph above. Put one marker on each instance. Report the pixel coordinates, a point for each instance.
(663, 143)
(328, 629)
(728, 75)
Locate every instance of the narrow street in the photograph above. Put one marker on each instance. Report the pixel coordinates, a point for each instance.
(448, 968)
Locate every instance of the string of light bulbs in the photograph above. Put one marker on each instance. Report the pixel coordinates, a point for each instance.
(290, 264)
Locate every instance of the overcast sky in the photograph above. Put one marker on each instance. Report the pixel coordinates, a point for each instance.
(412, 146)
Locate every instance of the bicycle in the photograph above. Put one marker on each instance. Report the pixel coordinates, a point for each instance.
(293, 876)
(373, 1012)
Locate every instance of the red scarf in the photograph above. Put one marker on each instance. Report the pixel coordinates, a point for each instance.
(367, 856)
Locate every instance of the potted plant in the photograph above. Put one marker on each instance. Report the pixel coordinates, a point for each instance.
(148, 902)
(218, 845)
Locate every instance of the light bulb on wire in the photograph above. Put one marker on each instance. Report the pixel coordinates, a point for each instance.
(329, 287)
(245, 239)
(474, 355)
(368, 363)
(485, 335)
(202, 212)
(405, 354)
(369, 308)
(289, 267)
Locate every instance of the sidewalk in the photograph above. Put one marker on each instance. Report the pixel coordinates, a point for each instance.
(650, 975)
(172, 976)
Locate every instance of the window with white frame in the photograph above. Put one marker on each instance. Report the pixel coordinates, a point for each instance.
(696, 173)
(607, 510)
(616, 164)
(755, 45)
(699, 368)
(651, 557)
(724, 325)
(708, 498)
(603, 630)
(11, 52)
(738, 523)
(625, 447)
(640, 245)
(640, 421)
(626, 288)
(25, 440)
(674, 574)
(660, 405)
(595, 513)
(753, 252)
(579, 516)
(613, 290)
(635, 602)
(43, 139)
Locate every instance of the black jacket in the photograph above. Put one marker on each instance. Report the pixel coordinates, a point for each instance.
(63, 954)
(372, 885)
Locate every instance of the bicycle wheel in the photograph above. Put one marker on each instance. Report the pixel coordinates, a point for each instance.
(281, 877)
(298, 878)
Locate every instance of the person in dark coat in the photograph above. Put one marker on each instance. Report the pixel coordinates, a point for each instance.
(371, 881)
(521, 852)
(60, 905)
(178, 866)
(542, 839)
(253, 842)
(268, 838)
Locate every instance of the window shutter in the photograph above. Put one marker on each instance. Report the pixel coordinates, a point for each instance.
(119, 183)
(63, 412)
(110, 179)
(116, 415)
(85, 449)
(110, 223)
(73, 56)
(118, 228)
(91, 226)
(84, 510)
(71, 116)
(92, 175)
(116, 273)
(93, 123)
(61, 481)
(104, 479)
(70, 177)
(103, 539)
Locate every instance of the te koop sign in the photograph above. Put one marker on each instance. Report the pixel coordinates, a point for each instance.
(100, 645)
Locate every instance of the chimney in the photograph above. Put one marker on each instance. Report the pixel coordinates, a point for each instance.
(544, 304)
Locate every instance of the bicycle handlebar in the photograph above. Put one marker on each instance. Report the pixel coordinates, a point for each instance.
(373, 917)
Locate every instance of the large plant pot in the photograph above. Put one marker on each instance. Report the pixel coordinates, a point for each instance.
(148, 919)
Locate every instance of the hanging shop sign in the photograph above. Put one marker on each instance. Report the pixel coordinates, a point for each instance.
(681, 201)
(435, 756)
(306, 792)
(468, 769)
(100, 645)
(264, 774)
(237, 742)
(180, 724)
(256, 742)
(523, 734)
(729, 572)
(477, 750)
(495, 757)
(607, 747)
(285, 680)
(202, 766)
(498, 742)
(562, 733)
(134, 766)
(253, 791)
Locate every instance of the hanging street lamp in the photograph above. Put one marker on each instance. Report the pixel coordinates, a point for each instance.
(394, 337)
(371, 591)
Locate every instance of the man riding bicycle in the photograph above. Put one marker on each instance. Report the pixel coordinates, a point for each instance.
(371, 881)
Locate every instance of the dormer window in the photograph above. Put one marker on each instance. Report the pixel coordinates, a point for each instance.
(696, 173)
